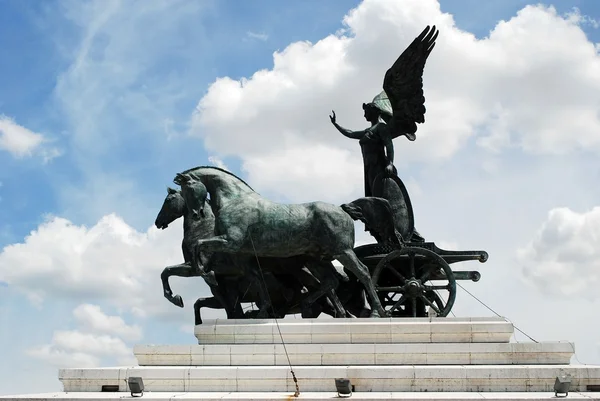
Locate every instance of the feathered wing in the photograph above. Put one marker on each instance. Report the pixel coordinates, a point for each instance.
(403, 84)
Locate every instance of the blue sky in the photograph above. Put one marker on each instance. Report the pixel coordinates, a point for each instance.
(112, 88)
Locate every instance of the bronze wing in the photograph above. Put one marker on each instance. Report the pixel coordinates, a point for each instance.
(403, 84)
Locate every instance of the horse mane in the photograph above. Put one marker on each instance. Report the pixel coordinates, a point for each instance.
(218, 169)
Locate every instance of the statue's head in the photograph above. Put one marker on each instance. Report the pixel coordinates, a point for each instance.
(173, 208)
(380, 107)
(195, 194)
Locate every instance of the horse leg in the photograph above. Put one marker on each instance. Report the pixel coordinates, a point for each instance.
(325, 272)
(330, 276)
(221, 243)
(211, 302)
(234, 302)
(224, 295)
(256, 279)
(180, 270)
(351, 262)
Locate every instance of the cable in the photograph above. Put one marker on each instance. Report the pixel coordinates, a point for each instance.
(496, 313)
(297, 393)
(440, 297)
(521, 331)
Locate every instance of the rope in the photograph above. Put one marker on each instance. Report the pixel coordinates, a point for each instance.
(297, 393)
(572, 346)
(496, 313)
(438, 294)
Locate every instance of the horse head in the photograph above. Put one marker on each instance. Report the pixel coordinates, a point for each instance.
(173, 208)
(195, 195)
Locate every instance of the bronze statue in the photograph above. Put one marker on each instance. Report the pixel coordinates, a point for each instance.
(392, 113)
(280, 255)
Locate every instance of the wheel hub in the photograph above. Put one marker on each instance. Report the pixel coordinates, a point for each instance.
(413, 288)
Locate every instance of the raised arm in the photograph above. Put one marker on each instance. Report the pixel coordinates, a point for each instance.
(346, 132)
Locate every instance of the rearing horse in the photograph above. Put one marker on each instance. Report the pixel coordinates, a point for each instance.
(235, 279)
(245, 222)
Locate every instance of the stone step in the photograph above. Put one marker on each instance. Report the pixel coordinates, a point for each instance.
(368, 378)
(355, 331)
(355, 354)
(305, 396)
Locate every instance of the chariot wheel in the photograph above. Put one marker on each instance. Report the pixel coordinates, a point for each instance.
(412, 279)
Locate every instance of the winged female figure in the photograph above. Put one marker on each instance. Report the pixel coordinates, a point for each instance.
(394, 112)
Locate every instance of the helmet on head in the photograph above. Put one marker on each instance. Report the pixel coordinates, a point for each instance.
(382, 104)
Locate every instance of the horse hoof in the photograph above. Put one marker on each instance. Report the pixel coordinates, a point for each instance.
(178, 301)
(375, 314)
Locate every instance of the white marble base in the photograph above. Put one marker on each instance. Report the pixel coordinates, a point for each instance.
(355, 354)
(304, 396)
(465, 378)
(355, 331)
(408, 359)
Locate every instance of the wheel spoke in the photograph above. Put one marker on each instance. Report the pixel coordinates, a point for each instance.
(411, 256)
(428, 270)
(390, 289)
(396, 273)
(431, 304)
(437, 287)
(414, 306)
(397, 304)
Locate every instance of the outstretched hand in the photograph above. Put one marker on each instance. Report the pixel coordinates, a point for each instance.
(332, 117)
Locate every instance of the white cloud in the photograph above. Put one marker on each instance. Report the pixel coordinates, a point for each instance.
(575, 16)
(90, 344)
(258, 36)
(214, 160)
(564, 256)
(533, 84)
(93, 320)
(103, 345)
(294, 170)
(22, 142)
(76, 349)
(109, 262)
(63, 359)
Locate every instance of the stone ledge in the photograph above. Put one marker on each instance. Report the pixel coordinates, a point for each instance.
(492, 378)
(306, 396)
(355, 331)
(355, 354)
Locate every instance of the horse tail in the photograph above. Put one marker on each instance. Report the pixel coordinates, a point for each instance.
(378, 217)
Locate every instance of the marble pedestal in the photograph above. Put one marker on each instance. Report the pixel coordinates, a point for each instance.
(423, 358)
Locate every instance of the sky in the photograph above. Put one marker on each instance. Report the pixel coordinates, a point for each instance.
(103, 102)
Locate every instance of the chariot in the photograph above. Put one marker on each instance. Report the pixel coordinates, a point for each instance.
(414, 278)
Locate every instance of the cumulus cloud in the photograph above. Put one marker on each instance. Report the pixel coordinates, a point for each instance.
(564, 257)
(532, 84)
(289, 169)
(93, 341)
(22, 142)
(94, 320)
(110, 261)
(63, 359)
